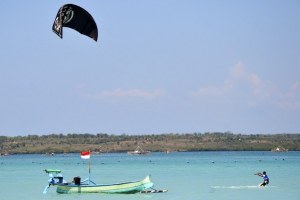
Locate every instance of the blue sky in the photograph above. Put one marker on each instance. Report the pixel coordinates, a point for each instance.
(170, 66)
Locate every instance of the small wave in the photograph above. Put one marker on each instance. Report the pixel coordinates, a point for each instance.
(240, 187)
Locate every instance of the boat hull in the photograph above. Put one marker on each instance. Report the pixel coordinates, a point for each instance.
(126, 188)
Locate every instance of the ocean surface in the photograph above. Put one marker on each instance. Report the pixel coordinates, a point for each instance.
(186, 175)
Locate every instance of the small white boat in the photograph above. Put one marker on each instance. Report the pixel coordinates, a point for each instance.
(138, 151)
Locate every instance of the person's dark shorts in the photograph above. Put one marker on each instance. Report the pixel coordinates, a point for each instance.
(266, 182)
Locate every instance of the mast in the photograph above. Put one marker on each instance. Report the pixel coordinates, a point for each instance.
(89, 170)
(87, 155)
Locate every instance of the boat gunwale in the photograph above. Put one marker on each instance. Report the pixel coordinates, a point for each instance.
(142, 182)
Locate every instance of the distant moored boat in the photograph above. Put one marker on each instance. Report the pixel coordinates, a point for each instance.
(279, 149)
(138, 151)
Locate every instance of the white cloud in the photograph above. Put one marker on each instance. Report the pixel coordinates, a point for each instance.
(294, 91)
(133, 93)
(238, 76)
(292, 98)
(208, 91)
(255, 90)
(130, 93)
(238, 71)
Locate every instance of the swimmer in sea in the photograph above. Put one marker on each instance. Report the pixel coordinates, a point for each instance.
(265, 177)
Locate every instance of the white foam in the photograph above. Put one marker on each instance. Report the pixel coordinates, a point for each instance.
(240, 187)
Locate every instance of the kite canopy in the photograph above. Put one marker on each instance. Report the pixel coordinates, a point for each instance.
(75, 17)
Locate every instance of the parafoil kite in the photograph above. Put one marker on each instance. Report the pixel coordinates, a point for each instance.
(77, 18)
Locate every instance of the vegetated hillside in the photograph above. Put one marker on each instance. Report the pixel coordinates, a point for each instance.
(70, 143)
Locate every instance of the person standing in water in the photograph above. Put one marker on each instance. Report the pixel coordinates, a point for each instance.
(265, 177)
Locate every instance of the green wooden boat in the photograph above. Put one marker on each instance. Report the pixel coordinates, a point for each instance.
(88, 186)
(125, 188)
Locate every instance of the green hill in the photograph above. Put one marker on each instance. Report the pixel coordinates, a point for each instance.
(70, 143)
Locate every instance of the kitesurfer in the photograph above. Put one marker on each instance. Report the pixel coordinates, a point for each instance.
(265, 178)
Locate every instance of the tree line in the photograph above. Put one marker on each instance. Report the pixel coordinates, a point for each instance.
(102, 142)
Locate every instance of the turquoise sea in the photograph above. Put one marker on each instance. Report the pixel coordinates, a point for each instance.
(186, 175)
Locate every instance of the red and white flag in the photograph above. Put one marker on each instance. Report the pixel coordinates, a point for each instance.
(85, 154)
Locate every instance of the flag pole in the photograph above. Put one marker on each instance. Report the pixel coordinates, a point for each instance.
(89, 170)
(87, 155)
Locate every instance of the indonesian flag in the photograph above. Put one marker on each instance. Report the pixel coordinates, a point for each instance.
(85, 155)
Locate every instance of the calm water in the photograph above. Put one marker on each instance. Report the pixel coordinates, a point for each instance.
(187, 176)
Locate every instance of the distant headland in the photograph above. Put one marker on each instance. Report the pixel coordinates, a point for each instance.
(102, 142)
